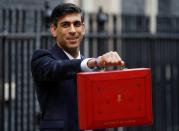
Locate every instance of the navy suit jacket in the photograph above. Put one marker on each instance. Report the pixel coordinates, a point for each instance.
(55, 78)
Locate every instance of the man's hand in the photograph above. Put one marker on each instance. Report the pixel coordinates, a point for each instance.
(111, 58)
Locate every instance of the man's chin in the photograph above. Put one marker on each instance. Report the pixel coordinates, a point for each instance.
(73, 45)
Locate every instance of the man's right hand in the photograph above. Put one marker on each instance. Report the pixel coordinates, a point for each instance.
(111, 58)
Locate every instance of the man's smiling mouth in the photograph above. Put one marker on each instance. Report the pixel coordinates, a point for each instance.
(73, 38)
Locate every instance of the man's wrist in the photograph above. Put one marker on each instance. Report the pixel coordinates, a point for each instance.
(92, 63)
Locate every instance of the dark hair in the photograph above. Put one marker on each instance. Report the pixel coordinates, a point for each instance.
(63, 9)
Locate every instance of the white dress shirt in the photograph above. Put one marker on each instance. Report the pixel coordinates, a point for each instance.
(84, 66)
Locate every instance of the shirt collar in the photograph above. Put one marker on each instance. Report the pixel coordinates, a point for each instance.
(71, 57)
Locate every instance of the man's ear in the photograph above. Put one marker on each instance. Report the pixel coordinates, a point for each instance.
(84, 30)
(53, 30)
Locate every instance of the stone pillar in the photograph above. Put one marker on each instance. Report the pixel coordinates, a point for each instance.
(152, 11)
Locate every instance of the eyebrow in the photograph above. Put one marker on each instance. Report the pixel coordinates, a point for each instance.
(71, 21)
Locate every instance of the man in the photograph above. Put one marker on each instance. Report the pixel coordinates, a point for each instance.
(54, 71)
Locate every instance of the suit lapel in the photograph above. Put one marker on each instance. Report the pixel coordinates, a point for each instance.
(58, 52)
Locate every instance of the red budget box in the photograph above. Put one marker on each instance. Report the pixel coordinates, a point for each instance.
(112, 99)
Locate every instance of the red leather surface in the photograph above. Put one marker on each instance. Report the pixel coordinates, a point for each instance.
(114, 98)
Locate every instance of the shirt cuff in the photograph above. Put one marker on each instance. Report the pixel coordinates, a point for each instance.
(84, 66)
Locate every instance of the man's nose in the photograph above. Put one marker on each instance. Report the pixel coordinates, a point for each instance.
(72, 28)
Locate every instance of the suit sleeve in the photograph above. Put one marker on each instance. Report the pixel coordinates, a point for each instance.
(45, 67)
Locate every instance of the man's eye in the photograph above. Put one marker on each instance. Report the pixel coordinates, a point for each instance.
(77, 24)
(65, 25)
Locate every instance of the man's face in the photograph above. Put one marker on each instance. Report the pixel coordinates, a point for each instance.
(69, 32)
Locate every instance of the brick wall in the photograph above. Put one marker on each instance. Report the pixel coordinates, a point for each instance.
(133, 6)
(27, 3)
(175, 7)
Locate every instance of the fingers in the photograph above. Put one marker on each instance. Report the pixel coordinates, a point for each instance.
(111, 58)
